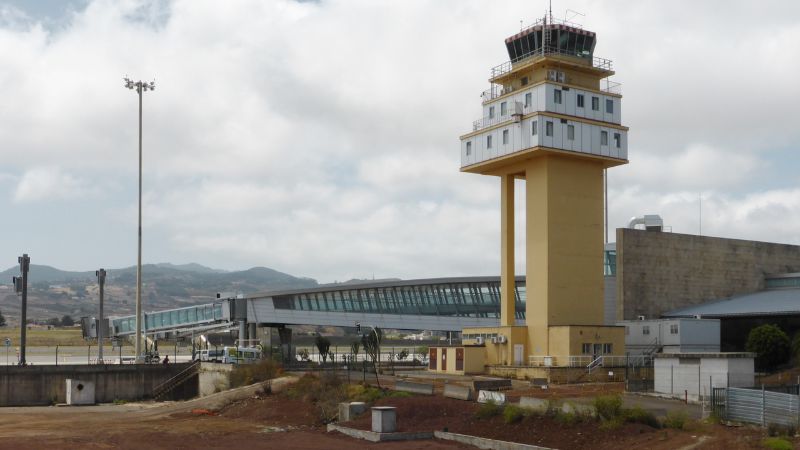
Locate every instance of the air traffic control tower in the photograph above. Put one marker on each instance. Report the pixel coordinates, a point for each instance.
(552, 118)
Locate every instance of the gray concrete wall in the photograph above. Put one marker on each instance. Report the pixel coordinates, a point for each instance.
(609, 300)
(660, 272)
(45, 385)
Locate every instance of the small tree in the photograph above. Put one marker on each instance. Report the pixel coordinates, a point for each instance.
(355, 347)
(770, 344)
(67, 321)
(2, 320)
(324, 346)
(372, 347)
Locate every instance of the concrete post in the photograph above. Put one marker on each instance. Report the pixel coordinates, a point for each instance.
(251, 335)
(507, 278)
(242, 332)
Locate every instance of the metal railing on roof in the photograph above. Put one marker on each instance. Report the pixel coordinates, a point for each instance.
(508, 66)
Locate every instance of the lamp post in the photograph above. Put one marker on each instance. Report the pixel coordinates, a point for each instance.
(101, 281)
(141, 87)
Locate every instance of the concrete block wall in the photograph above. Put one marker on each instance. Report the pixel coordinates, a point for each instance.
(659, 272)
(45, 385)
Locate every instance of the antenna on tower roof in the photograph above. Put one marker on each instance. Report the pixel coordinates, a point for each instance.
(550, 11)
(570, 15)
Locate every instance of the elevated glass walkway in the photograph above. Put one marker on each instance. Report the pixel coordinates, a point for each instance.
(442, 304)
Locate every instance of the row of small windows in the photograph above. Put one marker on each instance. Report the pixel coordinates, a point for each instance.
(673, 329)
(557, 98)
(595, 349)
(548, 131)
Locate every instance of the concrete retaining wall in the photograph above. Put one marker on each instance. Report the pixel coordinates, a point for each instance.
(485, 443)
(457, 392)
(45, 385)
(416, 388)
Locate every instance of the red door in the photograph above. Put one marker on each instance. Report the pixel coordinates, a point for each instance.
(432, 359)
(459, 359)
(444, 360)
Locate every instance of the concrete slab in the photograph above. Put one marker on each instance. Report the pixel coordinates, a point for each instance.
(373, 436)
(384, 419)
(415, 388)
(483, 443)
(457, 392)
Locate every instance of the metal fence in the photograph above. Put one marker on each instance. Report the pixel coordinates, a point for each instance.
(759, 406)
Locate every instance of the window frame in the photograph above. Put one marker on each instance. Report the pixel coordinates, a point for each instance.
(469, 148)
(618, 140)
(595, 103)
(528, 99)
(580, 102)
(645, 330)
(570, 132)
(534, 127)
(488, 141)
(505, 137)
(610, 106)
(558, 96)
(503, 109)
(603, 138)
(491, 112)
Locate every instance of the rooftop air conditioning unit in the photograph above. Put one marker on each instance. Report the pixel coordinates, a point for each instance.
(640, 317)
(548, 361)
(501, 339)
(479, 340)
(494, 339)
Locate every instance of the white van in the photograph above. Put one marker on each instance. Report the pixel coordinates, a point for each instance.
(240, 355)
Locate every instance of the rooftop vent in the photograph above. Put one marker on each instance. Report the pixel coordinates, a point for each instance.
(651, 222)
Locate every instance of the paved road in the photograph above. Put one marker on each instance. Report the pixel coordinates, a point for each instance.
(81, 355)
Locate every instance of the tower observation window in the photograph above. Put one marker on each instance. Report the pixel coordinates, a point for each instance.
(609, 106)
(571, 132)
(617, 140)
(595, 104)
(505, 137)
(469, 148)
(489, 141)
(557, 96)
(534, 126)
(548, 128)
(491, 112)
(604, 138)
(580, 100)
(528, 99)
(503, 109)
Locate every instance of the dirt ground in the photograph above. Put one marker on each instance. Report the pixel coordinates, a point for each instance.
(252, 419)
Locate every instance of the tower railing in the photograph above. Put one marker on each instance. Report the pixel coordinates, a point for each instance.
(508, 66)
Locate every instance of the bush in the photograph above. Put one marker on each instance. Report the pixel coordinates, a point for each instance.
(638, 415)
(676, 419)
(608, 407)
(774, 429)
(246, 374)
(770, 344)
(513, 413)
(775, 443)
(488, 410)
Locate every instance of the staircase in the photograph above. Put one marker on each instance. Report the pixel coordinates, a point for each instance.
(182, 377)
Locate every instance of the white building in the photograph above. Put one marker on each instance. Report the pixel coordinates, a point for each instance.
(671, 336)
(692, 375)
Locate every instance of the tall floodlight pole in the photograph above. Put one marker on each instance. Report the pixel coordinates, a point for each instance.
(141, 87)
(101, 281)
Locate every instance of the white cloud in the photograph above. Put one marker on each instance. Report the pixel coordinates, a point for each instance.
(49, 183)
(322, 138)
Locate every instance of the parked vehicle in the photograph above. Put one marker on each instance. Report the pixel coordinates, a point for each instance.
(230, 355)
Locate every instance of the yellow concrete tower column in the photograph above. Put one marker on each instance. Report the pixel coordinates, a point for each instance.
(507, 279)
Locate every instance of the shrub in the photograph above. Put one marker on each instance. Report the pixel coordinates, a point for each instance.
(638, 415)
(676, 420)
(774, 429)
(513, 413)
(608, 407)
(775, 443)
(246, 374)
(770, 344)
(488, 410)
(366, 394)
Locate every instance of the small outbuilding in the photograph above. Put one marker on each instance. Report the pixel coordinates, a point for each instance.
(692, 375)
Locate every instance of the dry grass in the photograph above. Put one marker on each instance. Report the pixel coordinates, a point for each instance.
(45, 338)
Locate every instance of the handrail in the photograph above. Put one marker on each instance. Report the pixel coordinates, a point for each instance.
(192, 367)
(508, 66)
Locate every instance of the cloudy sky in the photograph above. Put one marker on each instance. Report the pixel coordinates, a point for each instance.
(321, 138)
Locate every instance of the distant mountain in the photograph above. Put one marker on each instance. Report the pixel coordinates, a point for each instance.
(54, 292)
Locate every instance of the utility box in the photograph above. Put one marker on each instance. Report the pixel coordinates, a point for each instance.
(384, 419)
(80, 392)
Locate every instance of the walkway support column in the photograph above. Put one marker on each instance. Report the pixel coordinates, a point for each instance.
(507, 278)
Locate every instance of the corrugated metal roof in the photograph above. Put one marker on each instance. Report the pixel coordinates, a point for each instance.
(763, 303)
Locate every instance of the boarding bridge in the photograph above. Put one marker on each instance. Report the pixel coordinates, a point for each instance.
(439, 304)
